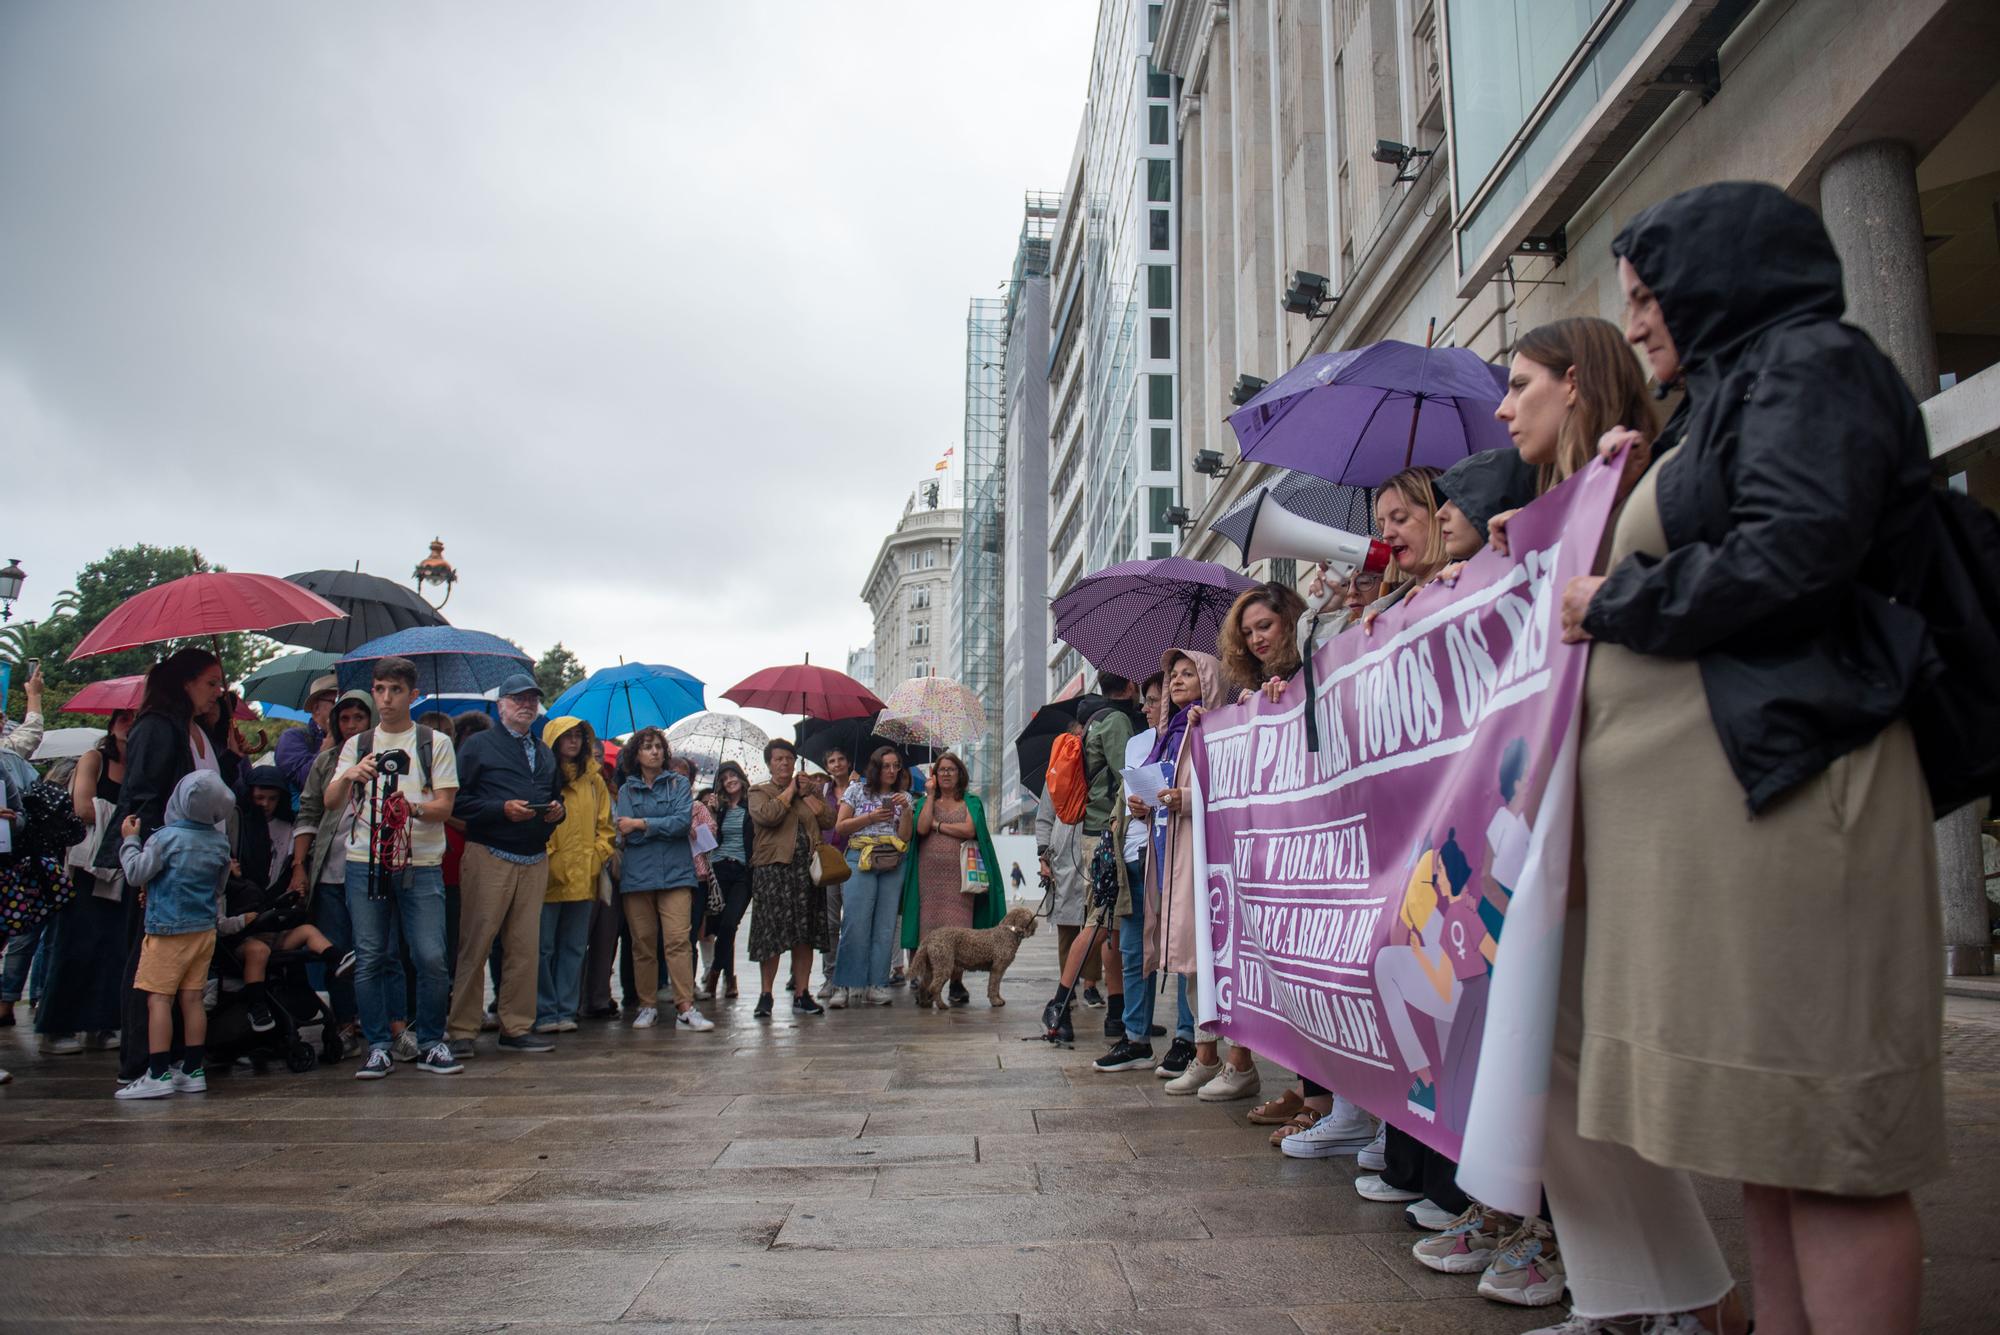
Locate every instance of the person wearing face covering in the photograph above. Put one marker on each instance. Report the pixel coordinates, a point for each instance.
(1761, 998)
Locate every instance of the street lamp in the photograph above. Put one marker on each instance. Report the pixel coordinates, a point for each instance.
(434, 569)
(11, 576)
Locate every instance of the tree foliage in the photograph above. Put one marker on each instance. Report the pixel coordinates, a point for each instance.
(557, 670)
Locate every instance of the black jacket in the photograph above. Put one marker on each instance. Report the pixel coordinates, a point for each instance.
(492, 770)
(157, 756)
(1794, 504)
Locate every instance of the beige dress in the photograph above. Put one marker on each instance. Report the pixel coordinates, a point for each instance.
(1762, 996)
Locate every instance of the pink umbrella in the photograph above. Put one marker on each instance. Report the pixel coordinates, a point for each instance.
(207, 603)
(122, 693)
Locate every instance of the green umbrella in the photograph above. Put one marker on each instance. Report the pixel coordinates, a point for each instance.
(285, 681)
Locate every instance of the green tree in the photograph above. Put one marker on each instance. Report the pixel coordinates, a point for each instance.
(558, 670)
(100, 587)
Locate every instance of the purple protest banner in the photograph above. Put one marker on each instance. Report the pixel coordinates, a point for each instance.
(1356, 895)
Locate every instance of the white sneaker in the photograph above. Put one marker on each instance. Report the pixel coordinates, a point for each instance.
(1376, 1157)
(826, 989)
(1342, 1131)
(647, 1017)
(1229, 1083)
(691, 1019)
(881, 996)
(1191, 1080)
(65, 1045)
(185, 1083)
(405, 1049)
(1371, 1187)
(1427, 1216)
(5, 1077)
(546, 1027)
(565, 1026)
(147, 1086)
(835, 998)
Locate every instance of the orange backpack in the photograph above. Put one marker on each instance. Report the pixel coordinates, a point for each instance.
(1067, 786)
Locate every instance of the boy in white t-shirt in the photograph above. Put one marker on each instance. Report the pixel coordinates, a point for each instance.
(400, 780)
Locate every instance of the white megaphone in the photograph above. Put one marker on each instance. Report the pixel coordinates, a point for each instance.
(1277, 532)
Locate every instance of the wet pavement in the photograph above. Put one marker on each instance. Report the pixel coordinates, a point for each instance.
(879, 1170)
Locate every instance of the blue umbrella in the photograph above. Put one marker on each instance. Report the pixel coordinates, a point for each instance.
(623, 699)
(449, 660)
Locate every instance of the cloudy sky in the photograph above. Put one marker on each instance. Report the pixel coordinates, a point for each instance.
(652, 311)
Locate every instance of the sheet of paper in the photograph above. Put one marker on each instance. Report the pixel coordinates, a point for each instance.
(702, 838)
(1146, 782)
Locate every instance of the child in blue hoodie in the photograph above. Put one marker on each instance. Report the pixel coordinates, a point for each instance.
(183, 868)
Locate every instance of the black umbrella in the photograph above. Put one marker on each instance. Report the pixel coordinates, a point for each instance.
(1032, 747)
(375, 607)
(857, 737)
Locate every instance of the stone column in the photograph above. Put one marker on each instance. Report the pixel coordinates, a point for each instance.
(1868, 198)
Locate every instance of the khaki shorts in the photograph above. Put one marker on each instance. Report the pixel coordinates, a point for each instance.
(170, 964)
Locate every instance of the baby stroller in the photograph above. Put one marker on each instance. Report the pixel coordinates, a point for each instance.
(293, 1003)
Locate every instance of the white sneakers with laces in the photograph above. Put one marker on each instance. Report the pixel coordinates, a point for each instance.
(647, 1017)
(694, 1020)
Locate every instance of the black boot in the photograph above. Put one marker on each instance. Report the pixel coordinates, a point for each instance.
(1114, 1015)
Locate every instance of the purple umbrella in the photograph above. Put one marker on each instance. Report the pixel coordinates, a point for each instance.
(1359, 417)
(1123, 617)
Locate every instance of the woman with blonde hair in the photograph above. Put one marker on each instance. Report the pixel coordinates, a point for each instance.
(578, 849)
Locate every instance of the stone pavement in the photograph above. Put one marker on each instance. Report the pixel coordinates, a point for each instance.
(870, 1171)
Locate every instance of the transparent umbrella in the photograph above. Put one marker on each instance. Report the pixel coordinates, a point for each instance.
(709, 739)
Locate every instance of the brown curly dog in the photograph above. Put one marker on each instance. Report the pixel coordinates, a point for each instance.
(949, 952)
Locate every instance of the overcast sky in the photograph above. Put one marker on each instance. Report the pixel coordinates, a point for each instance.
(652, 311)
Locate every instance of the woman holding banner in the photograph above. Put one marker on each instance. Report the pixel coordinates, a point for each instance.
(1761, 996)
(1194, 683)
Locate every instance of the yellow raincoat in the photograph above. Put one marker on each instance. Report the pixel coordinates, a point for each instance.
(582, 843)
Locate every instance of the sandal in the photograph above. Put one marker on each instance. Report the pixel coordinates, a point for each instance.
(1279, 1111)
(1305, 1121)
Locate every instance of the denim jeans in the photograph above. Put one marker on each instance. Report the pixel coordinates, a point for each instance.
(21, 952)
(416, 909)
(867, 925)
(1184, 1014)
(1132, 954)
(559, 981)
(330, 916)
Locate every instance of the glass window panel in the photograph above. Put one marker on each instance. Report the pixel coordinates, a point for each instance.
(1152, 21)
(1159, 499)
(1160, 235)
(1159, 180)
(1160, 397)
(1163, 338)
(1163, 449)
(1159, 124)
(1160, 287)
(1159, 83)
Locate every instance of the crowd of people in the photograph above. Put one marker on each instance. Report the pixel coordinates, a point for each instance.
(401, 861)
(435, 877)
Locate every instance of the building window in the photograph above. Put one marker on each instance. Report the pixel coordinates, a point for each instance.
(1160, 287)
(920, 633)
(1159, 180)
(1160, 237)
(920, 668)
(1159, 125)
(1163, 449)
(1160, 398)
(920, 599)
(1159, 501)
(1159, 83)
(1162, 550)
(924, 560)
(1153, 21)
(1163, 338)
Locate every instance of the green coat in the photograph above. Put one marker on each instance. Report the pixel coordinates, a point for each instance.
(992, 905)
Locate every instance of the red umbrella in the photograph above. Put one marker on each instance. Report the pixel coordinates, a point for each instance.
(113, 694)
(801, 688)
(210, 603)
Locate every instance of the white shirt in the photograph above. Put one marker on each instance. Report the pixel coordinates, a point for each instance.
(1136, 752)
(1508, 834)
(426, 837)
